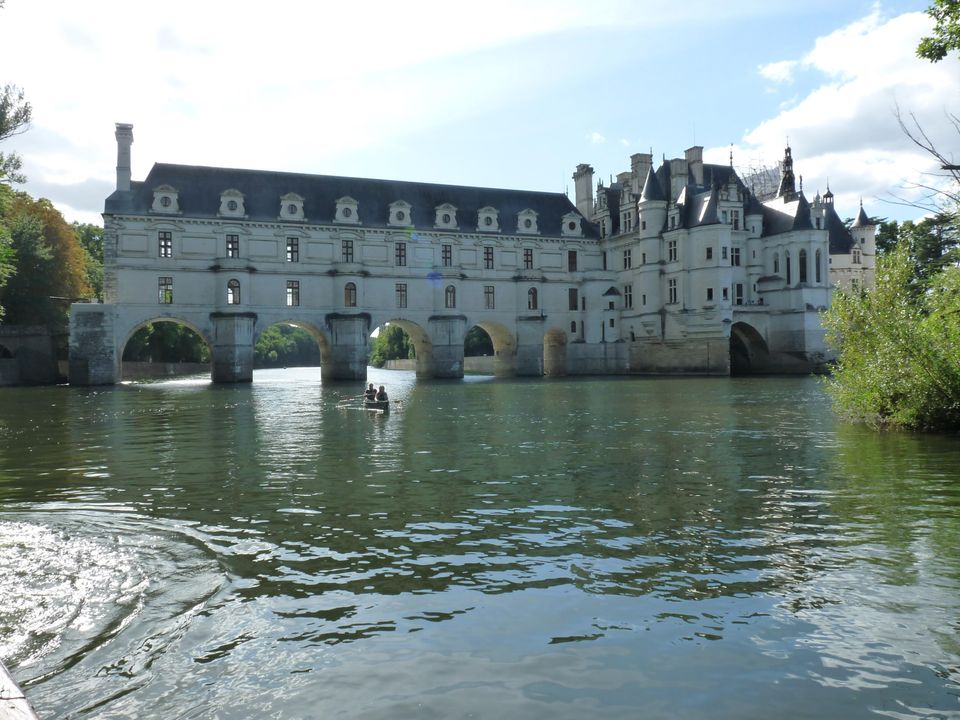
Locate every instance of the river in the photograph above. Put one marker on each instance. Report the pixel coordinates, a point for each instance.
(569, 548)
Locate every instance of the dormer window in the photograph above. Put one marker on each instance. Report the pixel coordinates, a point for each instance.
(400, 214)
(165, 200)
(231, 203)
(347, 211)
(570, 225)
(446, 217)
(527, 222)
(291, 207)
(488, 219)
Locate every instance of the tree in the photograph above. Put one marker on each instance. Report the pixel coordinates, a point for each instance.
(15, 113)
(49, 267)
(391, 344)
(286, 346)
(898, 363)
(477, 342)
(946, 31)
(91, 240)
(166, 342)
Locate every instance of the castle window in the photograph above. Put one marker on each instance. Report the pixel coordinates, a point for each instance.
(627, 259)
(233, 292)
(488, 302)
(527, 259)
(643, 258)
(399, 213)
(802, 265)
(350, 295)
(446, 216)
(488, 219)
(738, 295)
(735, 256)
(643, 224)
(231, 203)
(165, 201)
(786, 261)
(293, 250)
(776, 263)
(573, 327)
(628, 296)
(400, 254)
(446, 255)
(233, 246)
(672, 251)
(488, 257)
(723, 252)
(855, 255)
(735, 216)
(165, 238)
(532, 299)
(450, 297)
(818, 259)
(572, 299)
(291, 207)
(400, 292)
(709, 294)
(293, 293)
(347, 210)
(672, 291)
(346, 250)
(572, 260)
(527, 221)
(165, 288)
(709, 253)
(726, 294)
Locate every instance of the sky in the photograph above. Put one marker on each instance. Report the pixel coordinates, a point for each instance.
(499, 93)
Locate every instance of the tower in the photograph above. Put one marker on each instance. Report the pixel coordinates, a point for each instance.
(124, 135)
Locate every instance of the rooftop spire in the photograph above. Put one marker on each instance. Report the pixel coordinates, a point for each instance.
(788, 188)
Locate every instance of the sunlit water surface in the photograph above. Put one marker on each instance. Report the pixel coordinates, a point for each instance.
(656, 548)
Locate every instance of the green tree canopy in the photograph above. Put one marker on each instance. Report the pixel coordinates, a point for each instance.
(946, 31)
(15, 113)
(91, 240)
(167, 342)
(286, 346)
(392, 343)
(477, 342)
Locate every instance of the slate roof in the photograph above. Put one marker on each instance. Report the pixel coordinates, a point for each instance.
(651, 188)
(862, 219)
(199, 191)
(839, 237)
(780, 216)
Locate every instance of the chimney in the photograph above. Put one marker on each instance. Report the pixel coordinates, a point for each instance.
(583, 182)
(694, 158)
(640, 164)
(124, 137)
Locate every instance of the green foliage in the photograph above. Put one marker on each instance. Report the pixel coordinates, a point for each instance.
(15, 114)
(899, 349)
(391, 344)
(91, 240)
(286, 346)
(48, 264)
(166, 342)
(887, 235)
(477, 342)
(946, 31)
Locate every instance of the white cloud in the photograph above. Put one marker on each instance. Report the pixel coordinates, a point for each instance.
(596, 138)
(845, 130)
(779, 72)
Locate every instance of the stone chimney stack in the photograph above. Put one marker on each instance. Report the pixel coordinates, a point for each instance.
(640, 164)
(124, 137)
(694, 158)
(583, 182)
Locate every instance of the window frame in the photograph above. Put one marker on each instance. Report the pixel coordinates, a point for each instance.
(293, 249)
(293, 293)
(165, 243)
(165, 289)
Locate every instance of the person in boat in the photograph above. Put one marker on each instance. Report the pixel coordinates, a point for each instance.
(381, 395)
(370, 393)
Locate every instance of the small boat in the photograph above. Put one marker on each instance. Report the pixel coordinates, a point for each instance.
(377, 405)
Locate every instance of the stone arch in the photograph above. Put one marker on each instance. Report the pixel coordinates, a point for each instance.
(323, 342)
(555, 353)
(422, 345)
(504, 347)
(749, 353)
(202, 333)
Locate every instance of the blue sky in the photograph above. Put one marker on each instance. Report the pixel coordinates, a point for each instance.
(505, 94)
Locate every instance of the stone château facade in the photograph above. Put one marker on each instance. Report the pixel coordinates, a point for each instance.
(676, 269)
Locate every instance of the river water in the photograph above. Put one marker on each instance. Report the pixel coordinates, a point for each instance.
(589, 548)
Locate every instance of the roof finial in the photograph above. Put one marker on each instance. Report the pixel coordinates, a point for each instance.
(731, 155)
(801, 183)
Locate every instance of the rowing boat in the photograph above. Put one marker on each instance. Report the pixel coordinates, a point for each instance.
(377, 405)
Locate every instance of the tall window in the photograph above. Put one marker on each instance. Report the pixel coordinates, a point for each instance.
(293, 249)
(572, 299)
(401, 294)
(709, 294)
(488, 302)
(165, 290)
(672, 291)
(527, 259)
(709, 253)
(446, 254)
(350, 295)
(233, 246)
(672, 251)
(738, 294)
(735, 256)
(802, 265)
(816, 268)
(293, 293)
(855, 255)
(735, 217)
(233, 292)
(628, 296)
(346, 250)
(786, 261)
(776, 263)
(532, 299)
(450, 297)
(723, 252)
(627, 259)
(488, 258)
(571, 260)
(400, 254)
(166, 243)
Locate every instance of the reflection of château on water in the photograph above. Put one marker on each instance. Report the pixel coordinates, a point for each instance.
(671, 269)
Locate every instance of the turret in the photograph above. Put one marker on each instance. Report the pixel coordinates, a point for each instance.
(652, 206)
(864, 231)
(583, 183)
(124, 135)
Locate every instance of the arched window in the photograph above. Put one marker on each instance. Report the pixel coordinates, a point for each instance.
(817, 273)
(776, 263)
(450, 296)
(233, 292)
(350, 295)
(532, 299)
(802, 266)
(786, 262)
